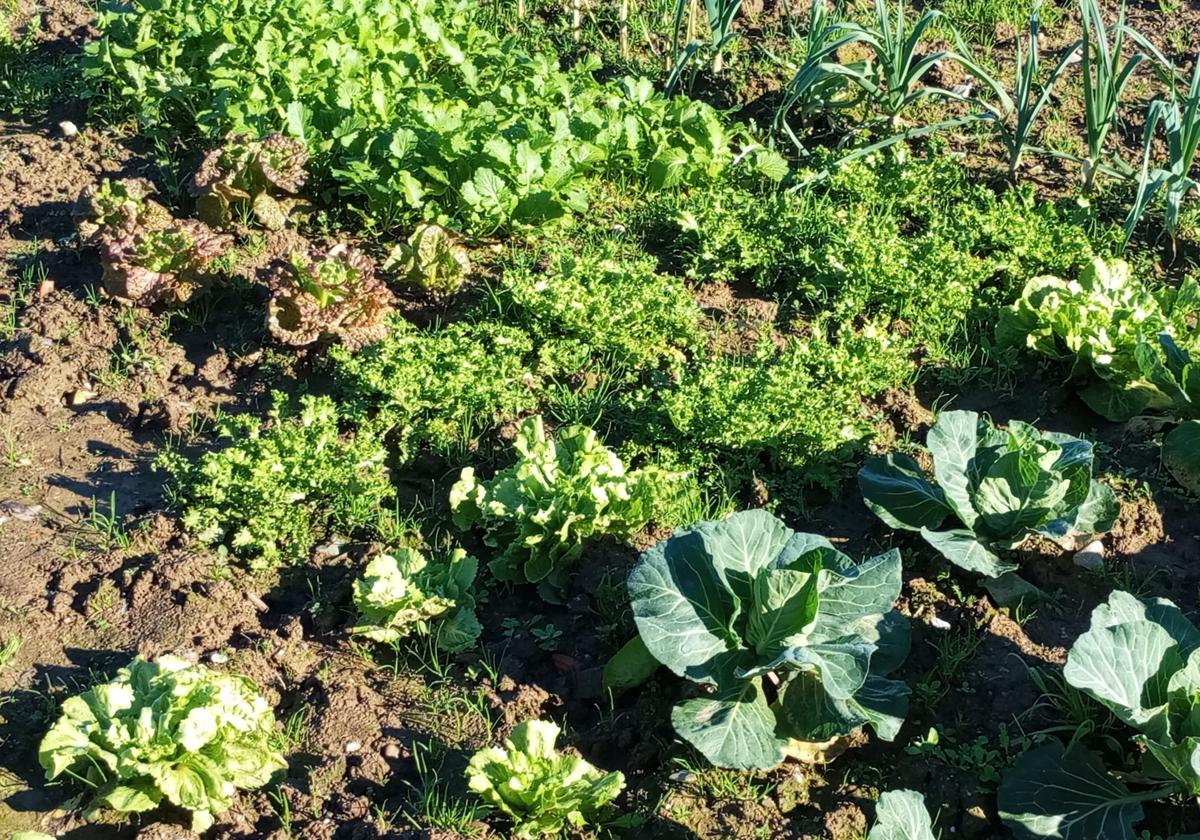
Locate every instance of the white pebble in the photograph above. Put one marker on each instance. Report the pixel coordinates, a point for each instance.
(939, 623)
(68, 128)
(353, 747)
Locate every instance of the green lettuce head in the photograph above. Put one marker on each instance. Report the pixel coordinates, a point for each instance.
(165, 730)
(541, 789)
(404, 593)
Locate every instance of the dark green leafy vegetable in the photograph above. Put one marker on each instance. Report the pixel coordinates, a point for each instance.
(997, 488)
(793, 638)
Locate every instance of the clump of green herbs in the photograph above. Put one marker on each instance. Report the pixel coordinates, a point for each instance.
(275, 489)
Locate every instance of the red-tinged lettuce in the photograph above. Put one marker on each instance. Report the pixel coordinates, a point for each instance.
(112, 203)
(327, 294)
(146, 255)
(143, 266)
(258, 177)
(165, 730)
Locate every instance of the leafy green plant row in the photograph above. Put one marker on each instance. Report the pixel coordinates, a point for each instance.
(414, 109)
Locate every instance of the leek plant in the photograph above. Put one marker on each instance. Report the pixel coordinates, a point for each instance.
(1105, 75)
(1181, 125)
(892, 79)
(721, 32)
(1014, 116)
(818, 86)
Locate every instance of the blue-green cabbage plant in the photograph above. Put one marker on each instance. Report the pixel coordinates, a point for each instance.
(791, 639)
(994, 487)
(1141, 660)
(901, 815)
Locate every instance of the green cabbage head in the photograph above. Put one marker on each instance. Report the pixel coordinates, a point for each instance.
(992, 490)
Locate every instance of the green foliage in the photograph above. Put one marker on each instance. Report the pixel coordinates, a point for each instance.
(404, 593)
(165, 730)
(1001, 486)
(872, 242)
(412, 106)
(327, 293)
(800, 405)
(542, 790)
(431, 260)
(1181, 454)
(560, 494)
(793, 637)
(1140, 659)
(901, 815)
(439, 387)
(255, 177)
(600, 303)
(272, 490)
(32, 76)
(1097, 323)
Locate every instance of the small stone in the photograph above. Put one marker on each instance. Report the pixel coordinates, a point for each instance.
(218, 658)
(258, 603)
(68, 129)
(79, 396)
(1091, 557)
(391, 751)
(352, 747)
(939, 623)
(682, 777)
(11, 508)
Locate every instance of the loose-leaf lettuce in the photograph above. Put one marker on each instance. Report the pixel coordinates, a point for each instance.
(431, 259)
(327, 293)
(560, 494)
(542, 790)
(1140, 659)
(995, 487)
(165, 730)
(791, 638)
(146, 255)
(257, 177)
(1097, 323)
(404, 593)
